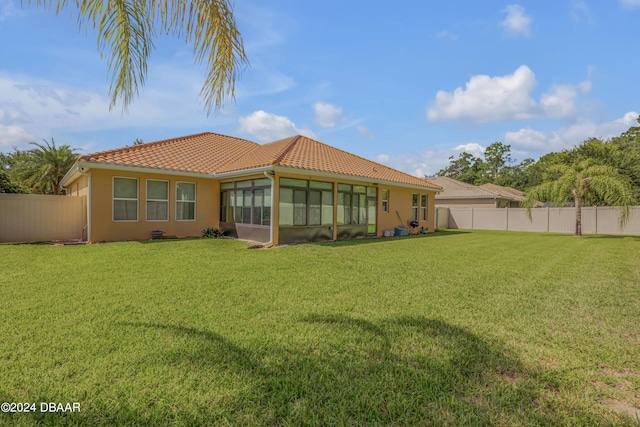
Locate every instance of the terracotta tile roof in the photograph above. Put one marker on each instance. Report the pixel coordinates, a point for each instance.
(200, 153)
(213, 153)
(454, 189)
(305, 153)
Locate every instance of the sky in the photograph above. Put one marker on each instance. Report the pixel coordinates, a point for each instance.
(407, 83)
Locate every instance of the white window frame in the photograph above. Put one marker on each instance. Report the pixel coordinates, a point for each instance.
(195, 198)
(424, 209)
(383, 200)
(415, 209)
(113, 199)
(156, 200)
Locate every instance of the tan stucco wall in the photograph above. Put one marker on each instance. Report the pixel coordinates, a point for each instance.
(103, 228)
(79, 187)
(400, 200)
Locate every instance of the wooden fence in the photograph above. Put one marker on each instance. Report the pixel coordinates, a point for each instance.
(40, 218)
(595, 220)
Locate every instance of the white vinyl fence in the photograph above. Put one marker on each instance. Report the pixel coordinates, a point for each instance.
(595, 220)
(41, 218)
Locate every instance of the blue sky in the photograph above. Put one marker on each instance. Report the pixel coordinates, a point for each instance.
(407, 83)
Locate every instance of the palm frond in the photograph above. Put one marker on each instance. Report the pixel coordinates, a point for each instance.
(126, 29)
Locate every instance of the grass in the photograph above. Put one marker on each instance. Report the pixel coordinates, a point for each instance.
(453, 328)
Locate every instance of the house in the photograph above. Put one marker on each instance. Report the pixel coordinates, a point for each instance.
(515, 195)
(292, 190)
(458, 194)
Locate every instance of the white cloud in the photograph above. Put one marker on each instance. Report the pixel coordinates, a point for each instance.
(364, 131)
(327, 115)
(523, 143)
(259, 80)
(14, 136)
(580, 12)
(486, 99)
(567, 137)
(268, 127)
(516, 23)
(630, 3)
(446, 35)
(45, 108)
(560, 102)
(491, 99)
(472, 147)
(418, 163)
(8, 10)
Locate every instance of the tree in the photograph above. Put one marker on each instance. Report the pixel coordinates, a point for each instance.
(579, 183)
(516, 176)
(496, 156)
(464, 168)
(42, 169)
(126, 29)
(6, 185)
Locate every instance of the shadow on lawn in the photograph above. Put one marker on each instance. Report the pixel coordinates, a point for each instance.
(401, 371)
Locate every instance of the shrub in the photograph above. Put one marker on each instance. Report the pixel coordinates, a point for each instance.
(212, 232)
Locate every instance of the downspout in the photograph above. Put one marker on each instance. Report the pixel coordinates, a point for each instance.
(88, 203)
(269, 175)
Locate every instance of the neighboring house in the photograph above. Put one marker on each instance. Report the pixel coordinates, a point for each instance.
(458, 194)
(515, 195)
(292, 190)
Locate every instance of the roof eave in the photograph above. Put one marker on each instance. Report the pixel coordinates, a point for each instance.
(321, 174)
(84, 166)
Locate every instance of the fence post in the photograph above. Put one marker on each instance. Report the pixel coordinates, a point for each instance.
(548, 219)
(507, 218)
(596, 219)
(472, 218)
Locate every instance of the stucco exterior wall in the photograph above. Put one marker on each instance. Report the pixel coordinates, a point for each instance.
(104, 229)
(400, 200)
(80, 187)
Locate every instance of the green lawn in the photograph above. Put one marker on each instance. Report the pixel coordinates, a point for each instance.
(453, 328)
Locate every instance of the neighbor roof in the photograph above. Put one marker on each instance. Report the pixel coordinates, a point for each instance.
(454, 189)
(215, 154)
(507, 192)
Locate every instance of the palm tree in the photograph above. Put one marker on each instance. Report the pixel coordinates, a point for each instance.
(126, 29)
(42, 169)
(582, 183)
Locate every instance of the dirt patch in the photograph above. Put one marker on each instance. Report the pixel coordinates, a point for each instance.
(620, 393)
(622, 408)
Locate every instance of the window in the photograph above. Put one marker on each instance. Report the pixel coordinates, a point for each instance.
(157, 200)
(423, 207)
(385, 200)
(125, 199)
(305, 203)
(185, 201)
(249, 203)
(352, 204)
(414, 207)
(299, 207)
